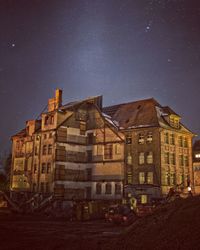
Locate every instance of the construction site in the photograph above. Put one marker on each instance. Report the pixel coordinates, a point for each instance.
(171, 225)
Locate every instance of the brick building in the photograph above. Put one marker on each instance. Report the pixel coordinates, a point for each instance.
(82, 151)
(196, 165)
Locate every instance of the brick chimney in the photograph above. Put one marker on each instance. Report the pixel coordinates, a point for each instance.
(56, 102)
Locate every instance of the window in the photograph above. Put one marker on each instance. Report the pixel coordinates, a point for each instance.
(44, 150)
(150, 177)
(50, 149)
(143, 198)
(118, 189)
(167, 178)
(185, 142)
(150, 157)
(171, 121)
(82, 128)
(173, 179)
(44, 136)
(166, 158)
(128, 139)
(117, 149)
(108, 151)
(186, 161)
(141, 139)
(129, 159)
(49, 119)
(149, 137)
(108, 188)
(176, 122)
(35, 168)
(166, 138)
(48, 167)
(180, 141)
(172, 140)
(181, 160)
(129, 175)
(99, 149)
(43, 170)
(98, 188)
(197, 155)
(141, 158)
(50, 135)
(172, 159)
(141, 177)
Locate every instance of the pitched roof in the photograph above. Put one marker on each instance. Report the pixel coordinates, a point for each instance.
(21, 133)
(140, 113)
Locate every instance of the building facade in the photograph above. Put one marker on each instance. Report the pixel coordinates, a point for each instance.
(82, 151)
(196, 166)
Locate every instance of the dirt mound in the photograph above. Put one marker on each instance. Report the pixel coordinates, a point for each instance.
(173, 226)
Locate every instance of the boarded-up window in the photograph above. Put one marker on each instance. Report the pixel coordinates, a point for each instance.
(62, 135)
(60, 172)
(60, 153)
(108, 151)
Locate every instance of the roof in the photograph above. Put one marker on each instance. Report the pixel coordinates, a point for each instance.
(136, 114)
(21, 133)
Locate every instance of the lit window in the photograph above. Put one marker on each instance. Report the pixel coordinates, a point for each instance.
(141, 177)
(141, 158)
(143, 199)
(185, 142)
(129, 159)
(197, 155)
(150, 177)
(186, 161)
(173, 179)
(117, 149)
(150, 157)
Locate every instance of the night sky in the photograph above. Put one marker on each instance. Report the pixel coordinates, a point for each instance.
(125, 50)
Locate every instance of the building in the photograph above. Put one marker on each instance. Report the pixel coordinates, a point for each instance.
(74, 152)
(196, 166)
(82, 151)
(158, 148)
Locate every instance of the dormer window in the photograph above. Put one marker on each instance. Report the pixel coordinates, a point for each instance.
(149, 137)
(141, 139)
(174, 121)
(49, 119)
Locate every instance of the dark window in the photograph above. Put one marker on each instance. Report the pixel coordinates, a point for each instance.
(108, 151)
(128, 139)
(90, 138)
(108, 188)
(98, 188)
(48, 167)
(50, 149)
(89, 155)
(44, 150)
(118, 189)
(43, 170)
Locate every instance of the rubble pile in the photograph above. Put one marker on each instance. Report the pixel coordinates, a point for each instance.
(173, 226)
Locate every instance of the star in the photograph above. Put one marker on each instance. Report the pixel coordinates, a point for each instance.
(13, 45)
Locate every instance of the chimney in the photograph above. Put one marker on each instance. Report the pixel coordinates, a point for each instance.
(58, 98)
(55, 102)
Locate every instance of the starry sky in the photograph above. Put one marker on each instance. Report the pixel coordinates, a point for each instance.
(124, 50)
